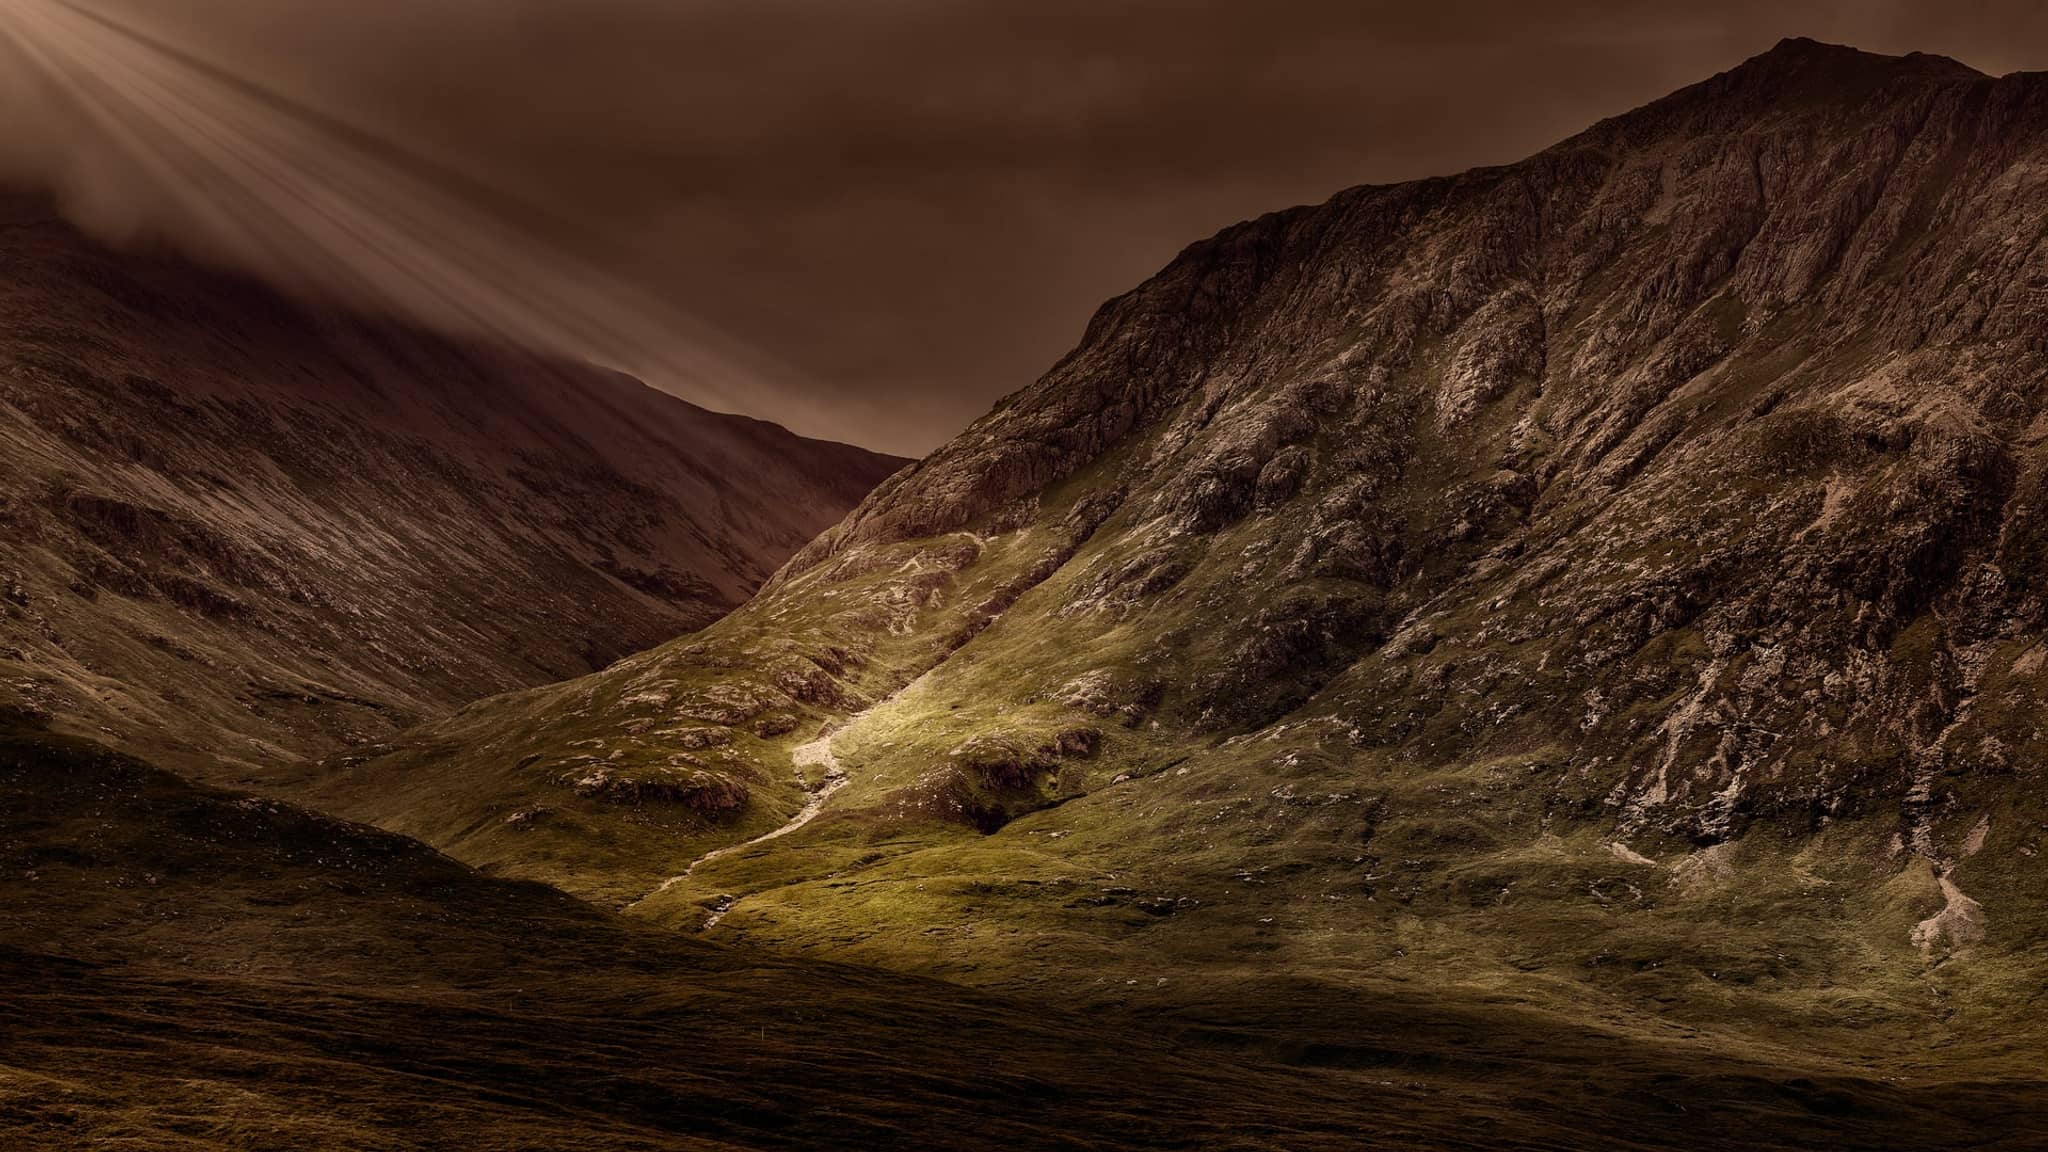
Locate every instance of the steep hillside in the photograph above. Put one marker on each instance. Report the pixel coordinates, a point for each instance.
(236, 530)
(1610, 582)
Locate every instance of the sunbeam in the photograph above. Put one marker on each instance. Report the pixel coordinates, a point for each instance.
(253, 178)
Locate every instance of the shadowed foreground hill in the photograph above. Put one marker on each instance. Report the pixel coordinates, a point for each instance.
(236, 530)
(188, 969)
(1610, 584)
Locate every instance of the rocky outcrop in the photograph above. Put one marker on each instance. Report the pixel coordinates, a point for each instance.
(707, 794)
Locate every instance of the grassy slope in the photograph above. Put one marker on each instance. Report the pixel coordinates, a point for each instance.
(1216, 862)
(189, 969)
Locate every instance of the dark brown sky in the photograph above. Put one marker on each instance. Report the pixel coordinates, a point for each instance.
(910, 207)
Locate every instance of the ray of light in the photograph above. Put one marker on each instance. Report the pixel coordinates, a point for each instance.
(277, 187)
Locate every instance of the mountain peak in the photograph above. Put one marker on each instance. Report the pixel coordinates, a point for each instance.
(1806, 56)
(1806, 47)
(1798, 79)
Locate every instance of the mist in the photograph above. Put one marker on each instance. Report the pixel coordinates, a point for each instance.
(141, 139)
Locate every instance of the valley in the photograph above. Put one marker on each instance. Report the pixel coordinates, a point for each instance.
(1543, 658)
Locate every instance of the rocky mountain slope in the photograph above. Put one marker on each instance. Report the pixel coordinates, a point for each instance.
(1610, 582)
(236, 531)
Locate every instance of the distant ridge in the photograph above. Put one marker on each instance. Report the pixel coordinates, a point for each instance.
(235, 528)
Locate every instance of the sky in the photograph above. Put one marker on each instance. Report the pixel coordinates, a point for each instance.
(865, 219)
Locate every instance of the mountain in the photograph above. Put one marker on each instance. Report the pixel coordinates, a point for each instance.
(1609, 584)
(238, 531)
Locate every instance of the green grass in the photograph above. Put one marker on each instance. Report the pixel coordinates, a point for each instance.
(183, 968)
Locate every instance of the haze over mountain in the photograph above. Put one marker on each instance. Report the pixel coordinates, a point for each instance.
(1605, 584)
(237, 531)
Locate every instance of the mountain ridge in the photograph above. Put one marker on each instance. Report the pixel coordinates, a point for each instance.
(239, 521)
(1757, 81)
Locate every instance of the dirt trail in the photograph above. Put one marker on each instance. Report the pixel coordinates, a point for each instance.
(1959, 924)
(816, 754)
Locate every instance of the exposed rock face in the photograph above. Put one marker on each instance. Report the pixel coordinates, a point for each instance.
(1756, 366)
(235, 527)
(1680, 488)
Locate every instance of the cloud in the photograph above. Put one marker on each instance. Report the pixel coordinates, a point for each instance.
(139, 135)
